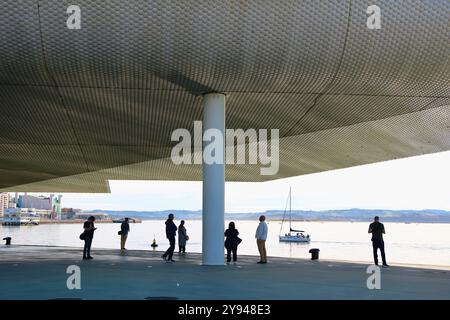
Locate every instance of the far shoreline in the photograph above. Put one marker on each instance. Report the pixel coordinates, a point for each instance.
(137, 220)
(80, 221)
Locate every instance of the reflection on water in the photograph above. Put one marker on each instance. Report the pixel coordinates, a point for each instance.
(405, 243)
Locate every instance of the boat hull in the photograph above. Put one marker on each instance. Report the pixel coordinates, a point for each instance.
(295, 239)
(20, 223)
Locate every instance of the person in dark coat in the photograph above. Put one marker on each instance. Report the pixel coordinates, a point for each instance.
(171, 231)
(182, 237)
(89, 229)
(231, 242)
(124, 230)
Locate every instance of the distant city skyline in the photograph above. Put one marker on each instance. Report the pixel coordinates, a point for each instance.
(414, 183)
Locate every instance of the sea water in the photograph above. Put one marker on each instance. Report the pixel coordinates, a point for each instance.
(414, 243)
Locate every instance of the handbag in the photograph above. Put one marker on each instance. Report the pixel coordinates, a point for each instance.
(83, 236)
(119, 233)
(239, 240)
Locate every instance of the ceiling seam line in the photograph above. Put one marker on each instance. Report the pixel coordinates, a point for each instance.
(327, 87)
(52, 78)
(425, 107)
(231, 91)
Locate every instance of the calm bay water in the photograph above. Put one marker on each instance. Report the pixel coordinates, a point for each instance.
(415, 243)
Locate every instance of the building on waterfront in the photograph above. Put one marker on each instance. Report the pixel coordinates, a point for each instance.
(86, 215)
(56, 205)
(12, 203)
(69, 213)
(41, 202)
(44, 214)
(46, 207)
(20, 216)
(4, 202)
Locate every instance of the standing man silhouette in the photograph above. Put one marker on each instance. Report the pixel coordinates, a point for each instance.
(376, 228)
(171, 231)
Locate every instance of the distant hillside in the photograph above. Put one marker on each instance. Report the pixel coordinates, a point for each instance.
(431, 216)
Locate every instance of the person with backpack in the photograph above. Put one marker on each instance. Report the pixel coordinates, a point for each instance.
(87, 236)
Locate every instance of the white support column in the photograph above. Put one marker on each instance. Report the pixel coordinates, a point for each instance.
(214, 184)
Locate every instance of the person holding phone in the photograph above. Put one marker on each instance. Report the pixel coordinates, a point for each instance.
(89, 229)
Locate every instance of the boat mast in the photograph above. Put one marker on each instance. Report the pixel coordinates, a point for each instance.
(284, 215)
(290, 210)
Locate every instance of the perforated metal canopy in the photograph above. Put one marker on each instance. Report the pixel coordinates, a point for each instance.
(79, 107)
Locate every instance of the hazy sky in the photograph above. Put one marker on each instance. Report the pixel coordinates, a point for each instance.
(414, 183)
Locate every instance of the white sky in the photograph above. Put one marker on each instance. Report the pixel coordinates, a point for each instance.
(414, 183)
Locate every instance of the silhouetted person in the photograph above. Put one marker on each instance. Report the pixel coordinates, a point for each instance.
(124, 229)
(376, 228)
(231, 242)
(182, 237)
(261, 236)
(171, 231)
(89, 229)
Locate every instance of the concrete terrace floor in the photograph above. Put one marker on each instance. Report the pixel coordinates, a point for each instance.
(39, 272)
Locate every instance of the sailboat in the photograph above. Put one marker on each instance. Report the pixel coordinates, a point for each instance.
(293, 235)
